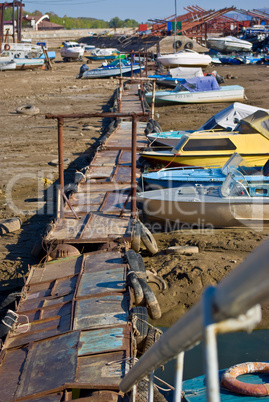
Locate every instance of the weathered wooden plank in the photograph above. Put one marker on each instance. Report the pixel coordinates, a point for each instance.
(57, 269)
(101, 312)
(100, 172)
(114, 202)
(105, 227)
(99, 261)
(10, 372)
(100, 373)
(43, 369)
(104, 340)
(105, 158)
(97, 283)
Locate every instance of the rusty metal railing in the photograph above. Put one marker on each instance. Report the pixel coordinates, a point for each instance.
(60, 119)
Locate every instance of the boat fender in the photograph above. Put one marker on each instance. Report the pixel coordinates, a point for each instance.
(151, 301)
(177, 44)
(7, 46)
(154, 278)
(148, 240)
(135, 264)
(136, 237)
(188, 45)
(229, 379)
(138, 292)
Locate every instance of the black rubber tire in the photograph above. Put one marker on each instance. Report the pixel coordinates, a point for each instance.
(135, 264)
(177, 44)
(136, 239)
(152, 337)
(148, 240)
(151, 301)
(188, 45)
(138, 291)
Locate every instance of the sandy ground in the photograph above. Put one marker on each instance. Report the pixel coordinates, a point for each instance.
(29, 144)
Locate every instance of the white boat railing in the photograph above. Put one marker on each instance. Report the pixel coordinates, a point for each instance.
(231, 306)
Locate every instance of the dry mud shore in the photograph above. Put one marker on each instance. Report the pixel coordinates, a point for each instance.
(29, 144)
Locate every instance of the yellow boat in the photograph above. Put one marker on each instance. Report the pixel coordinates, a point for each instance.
(211, 148)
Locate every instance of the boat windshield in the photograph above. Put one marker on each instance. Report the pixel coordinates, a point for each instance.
(235, 185)
(179, 145)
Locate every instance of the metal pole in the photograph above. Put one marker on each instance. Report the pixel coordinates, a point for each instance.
(13, 21)
(151, 387)
(210, 347)
(153, 100)
(133, 174)
(121, 90)
(140, 71)
(179, 377)
(132, 72)
(120, 65)
(175, 26)
(60, 153)
(146, 62)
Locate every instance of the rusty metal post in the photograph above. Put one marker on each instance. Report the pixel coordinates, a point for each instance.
(146, 62)
(132, 60)
(120, 96)
(153, 99)
(133, 175)
(140, 71)
(60, 153)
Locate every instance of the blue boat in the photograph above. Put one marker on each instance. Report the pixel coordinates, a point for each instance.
(114, 69)
(175, 177)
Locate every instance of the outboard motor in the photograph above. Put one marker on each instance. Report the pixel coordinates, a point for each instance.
(82, 70)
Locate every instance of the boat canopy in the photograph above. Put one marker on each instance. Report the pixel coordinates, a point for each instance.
(229, 117)
(259, 121)
(186, 72)
(198, 84)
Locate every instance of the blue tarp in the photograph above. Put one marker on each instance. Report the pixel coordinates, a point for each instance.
(198, 84)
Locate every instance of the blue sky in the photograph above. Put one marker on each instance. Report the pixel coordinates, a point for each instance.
(140, 10)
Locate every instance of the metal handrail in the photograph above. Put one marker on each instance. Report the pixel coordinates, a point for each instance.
(245, 287)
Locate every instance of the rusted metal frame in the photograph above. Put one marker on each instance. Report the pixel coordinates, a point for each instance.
(60, 153)
(153, 100)
(76, 292)
(120, 94)
(132, 61)
(88, 218)
(1, 24)
(104, 201)
(89, 115)
(125, 203)
(69, 204)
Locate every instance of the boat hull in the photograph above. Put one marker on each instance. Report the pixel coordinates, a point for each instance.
(155, 158)
(208, 211)
(113, 72)
(224, 94)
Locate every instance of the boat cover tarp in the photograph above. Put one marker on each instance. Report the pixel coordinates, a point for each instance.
(186, 72)
(259, 121)
(199, 84)
(230, 116)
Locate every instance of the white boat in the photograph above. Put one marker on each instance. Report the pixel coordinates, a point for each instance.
(227, 118)
(21, 50)
(199, 90)
(7, 65)
(72, 51)
(235, 203)
(185, 58)
(229, 44)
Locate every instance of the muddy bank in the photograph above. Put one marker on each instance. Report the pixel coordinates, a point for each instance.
(29, 144)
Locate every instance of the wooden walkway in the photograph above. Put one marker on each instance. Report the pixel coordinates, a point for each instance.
(74, 335)
(101, 196)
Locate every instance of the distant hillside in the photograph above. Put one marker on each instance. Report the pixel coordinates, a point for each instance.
(79, 23)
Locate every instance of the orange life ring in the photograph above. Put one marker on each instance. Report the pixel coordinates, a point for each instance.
(229, 379)
(7, 46)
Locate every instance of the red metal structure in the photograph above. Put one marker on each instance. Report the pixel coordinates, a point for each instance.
(16, 21)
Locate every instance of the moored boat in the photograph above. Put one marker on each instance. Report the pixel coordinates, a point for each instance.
(175, 177)
(72, 51)
(113, 69)
(229, 44)
(208, 148)
(185, 58)
(227, 118)
(199, 90)
(235, 203)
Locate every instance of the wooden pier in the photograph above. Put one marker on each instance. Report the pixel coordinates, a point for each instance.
(74, 335)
